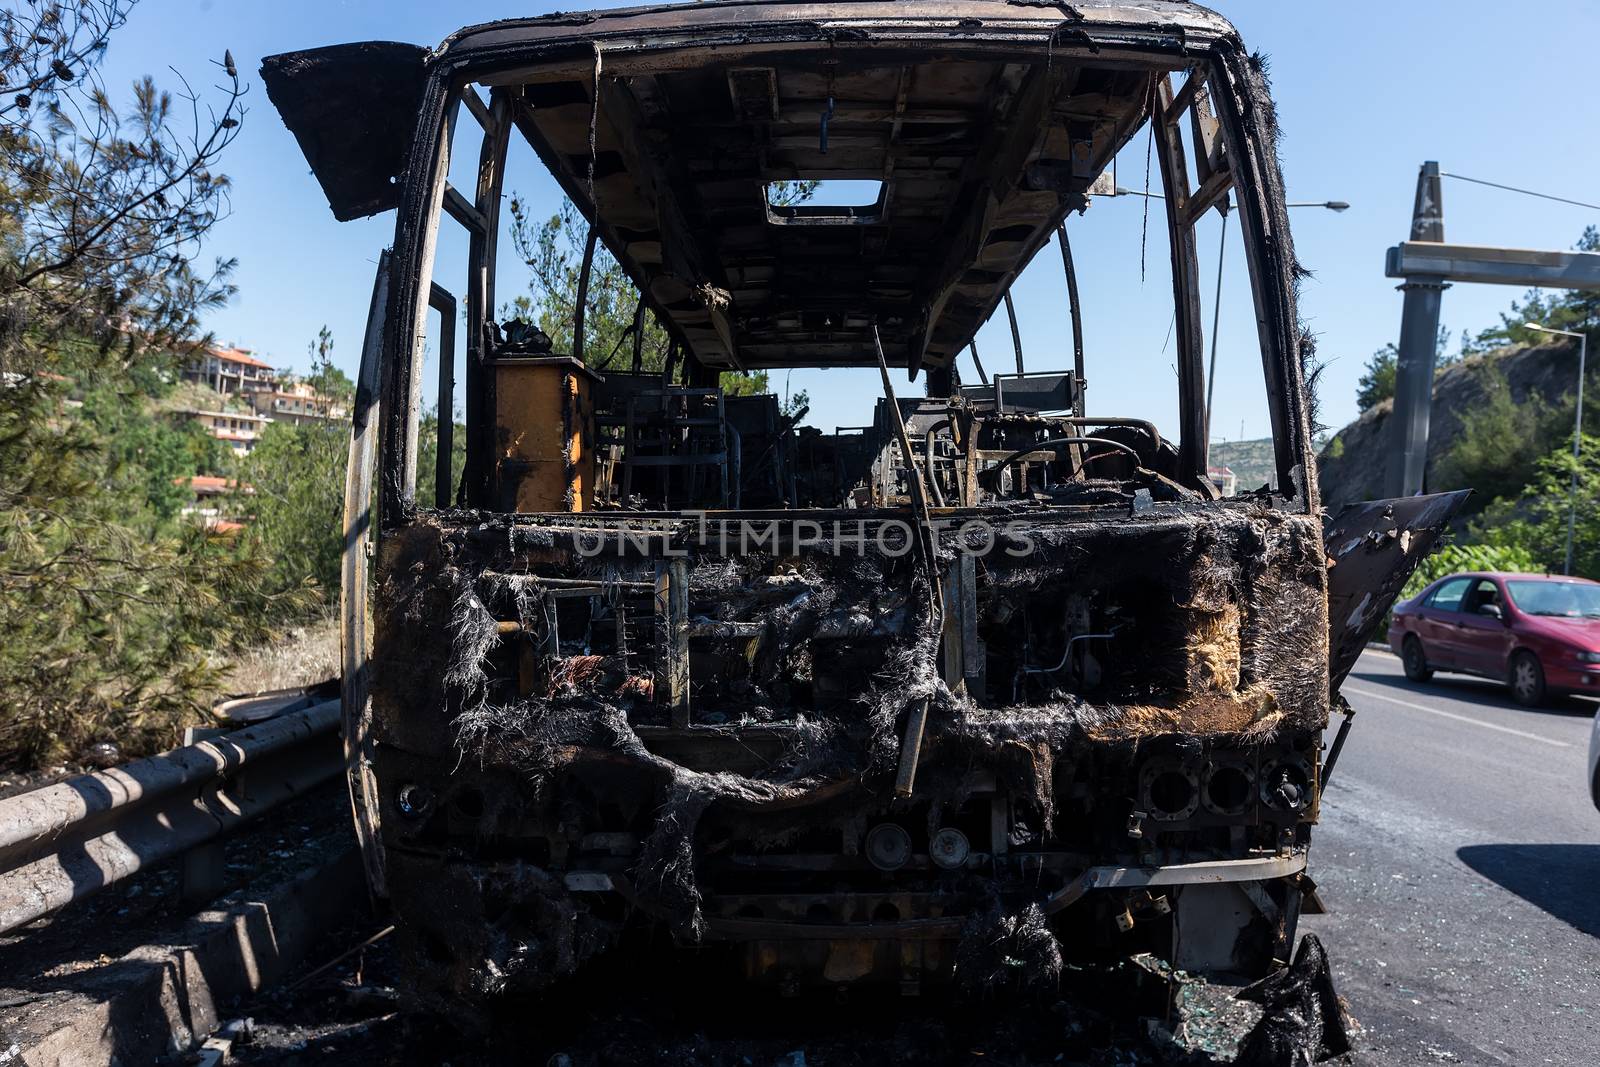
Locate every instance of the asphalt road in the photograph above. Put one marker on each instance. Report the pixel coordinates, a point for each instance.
(1459, 857)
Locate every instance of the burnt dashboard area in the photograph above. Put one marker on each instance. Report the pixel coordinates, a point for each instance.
(569, 438)
(702, 721)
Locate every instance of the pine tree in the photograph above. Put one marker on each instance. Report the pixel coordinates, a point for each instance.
(110, 609)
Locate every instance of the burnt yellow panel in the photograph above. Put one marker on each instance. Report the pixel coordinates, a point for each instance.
(544, 425)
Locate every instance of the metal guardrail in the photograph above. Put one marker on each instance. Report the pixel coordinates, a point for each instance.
(66, 841)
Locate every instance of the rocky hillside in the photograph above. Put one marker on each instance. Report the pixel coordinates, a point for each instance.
(1354, 463)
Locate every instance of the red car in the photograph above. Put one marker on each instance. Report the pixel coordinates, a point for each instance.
(1538, 633)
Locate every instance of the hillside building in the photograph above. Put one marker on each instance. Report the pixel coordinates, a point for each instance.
(207, 504)
(232, 371)
(1224, 479)
(239, 430)
(296, 402)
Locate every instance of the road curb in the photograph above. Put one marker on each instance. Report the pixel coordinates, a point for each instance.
(160, 1000)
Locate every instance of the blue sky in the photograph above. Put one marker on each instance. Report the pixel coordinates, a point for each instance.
(1366, 92)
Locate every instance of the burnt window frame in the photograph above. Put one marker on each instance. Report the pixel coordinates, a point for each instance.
(1243, 112)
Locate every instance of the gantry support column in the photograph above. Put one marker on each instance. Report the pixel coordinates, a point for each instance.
(1419, 333)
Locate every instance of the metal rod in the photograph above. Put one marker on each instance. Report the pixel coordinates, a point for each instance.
(1577, 452)
(927, 457)
(1055, 441)
(583, 294)
(594, 213)
(919, 497)
(440, 299)
(1065, 652)
(582, 583)
(1016, 335)
(917, 720)
(1216, 320)
(1189, 330)
(1077, 317)
(905, 781)
(353, 591)
(1338, 745)
(1577, 435)
(1113, 420)
(978, 363)
(672, 639)
(478, 397)
(638, 335)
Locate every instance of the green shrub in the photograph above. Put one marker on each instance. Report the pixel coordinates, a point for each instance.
(1534, 521)
(295, 500)
(1501, 441)
(111, 610)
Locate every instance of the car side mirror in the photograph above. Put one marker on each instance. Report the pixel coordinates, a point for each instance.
(1492, 610)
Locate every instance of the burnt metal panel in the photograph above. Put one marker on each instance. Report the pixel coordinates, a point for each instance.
(843, 21)
(958, 132)
(1372, 549)
(353, 110)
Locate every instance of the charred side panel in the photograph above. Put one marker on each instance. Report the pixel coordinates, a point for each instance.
(353, 109)
(1129, 691)
(1373, 548)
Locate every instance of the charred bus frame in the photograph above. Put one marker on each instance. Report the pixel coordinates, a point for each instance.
(1099, 723)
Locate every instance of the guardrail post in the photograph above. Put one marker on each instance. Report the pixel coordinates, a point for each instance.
(204, 870)
(203, 877)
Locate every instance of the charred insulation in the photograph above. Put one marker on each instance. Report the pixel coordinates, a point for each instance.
(1236, 607)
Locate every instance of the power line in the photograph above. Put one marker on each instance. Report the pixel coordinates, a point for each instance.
(1524, 192)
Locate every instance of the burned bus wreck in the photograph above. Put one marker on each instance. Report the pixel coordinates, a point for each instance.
(992, 680)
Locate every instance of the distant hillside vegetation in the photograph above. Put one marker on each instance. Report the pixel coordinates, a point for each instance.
(1354, 464)
(1251, 462)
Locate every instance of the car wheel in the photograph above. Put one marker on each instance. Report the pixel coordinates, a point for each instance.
(1527, 680)
(1414, 661)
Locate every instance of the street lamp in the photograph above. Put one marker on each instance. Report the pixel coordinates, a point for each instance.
(1577, 433)
(1331, 205)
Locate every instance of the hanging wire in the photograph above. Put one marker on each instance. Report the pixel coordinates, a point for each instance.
(1524, 192)
(1144, 231)
(594, 121)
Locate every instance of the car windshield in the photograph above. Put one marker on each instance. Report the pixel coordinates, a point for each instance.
(1570, 599)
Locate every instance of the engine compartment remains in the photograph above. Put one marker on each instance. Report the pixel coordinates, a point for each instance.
(716, 735)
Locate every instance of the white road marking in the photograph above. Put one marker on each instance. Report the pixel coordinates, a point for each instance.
(1453, 715)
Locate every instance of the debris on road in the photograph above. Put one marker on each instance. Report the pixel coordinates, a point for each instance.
(1304, 1020)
